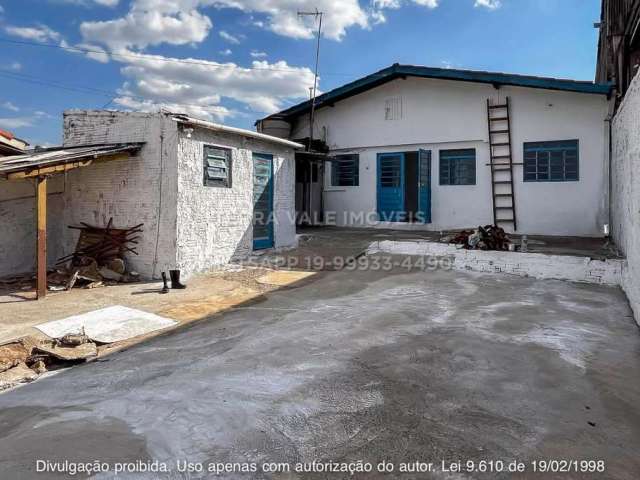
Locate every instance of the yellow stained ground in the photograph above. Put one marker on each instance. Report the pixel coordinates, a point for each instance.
(205, 296)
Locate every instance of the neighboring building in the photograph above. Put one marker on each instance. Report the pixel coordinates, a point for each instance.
(619, 45)
(205, 192)
(409, 147)
(10, 145)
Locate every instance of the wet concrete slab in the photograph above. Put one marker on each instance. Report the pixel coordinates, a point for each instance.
(364, 365)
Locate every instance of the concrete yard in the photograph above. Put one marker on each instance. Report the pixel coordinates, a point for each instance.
(364, 365)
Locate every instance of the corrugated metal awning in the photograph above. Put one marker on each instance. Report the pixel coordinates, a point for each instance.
(60, 156)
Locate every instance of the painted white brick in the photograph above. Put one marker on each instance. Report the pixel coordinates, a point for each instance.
(536, 265)
(625, 196)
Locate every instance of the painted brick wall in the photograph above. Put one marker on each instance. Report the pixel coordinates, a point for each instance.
(141, 189)
(536, 265)
(215, 224)
(18, 220)
(625, 176)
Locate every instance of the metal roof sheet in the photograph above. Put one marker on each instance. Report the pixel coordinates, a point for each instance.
(399, 71)
(60, 155)
(185, 119)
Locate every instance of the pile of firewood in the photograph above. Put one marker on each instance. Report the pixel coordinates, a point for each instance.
(99, 257)
(489, 237)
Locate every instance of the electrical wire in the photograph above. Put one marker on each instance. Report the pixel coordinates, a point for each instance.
(107, 93)
(154, 58)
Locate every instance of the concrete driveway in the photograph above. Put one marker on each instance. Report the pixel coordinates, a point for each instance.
(364, 365)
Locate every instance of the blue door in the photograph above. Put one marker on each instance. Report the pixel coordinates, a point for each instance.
(262, 201)
(424, 186)
(391, 187)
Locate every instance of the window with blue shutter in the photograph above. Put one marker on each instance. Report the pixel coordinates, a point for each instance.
(458, 167)
(551, 161)
(345, 171)
(217, 167)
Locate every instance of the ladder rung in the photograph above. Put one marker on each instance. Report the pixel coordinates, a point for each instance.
(503, 194)
(498, 119)
(502, 182)
(504, 220)
(500, 156)
(503, 144)
(499, 131)
(503, 208)
(498, 106)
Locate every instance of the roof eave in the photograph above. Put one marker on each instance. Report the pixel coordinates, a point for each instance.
(401, 71)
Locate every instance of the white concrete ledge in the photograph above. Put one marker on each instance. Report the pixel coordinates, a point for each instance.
(536, 265)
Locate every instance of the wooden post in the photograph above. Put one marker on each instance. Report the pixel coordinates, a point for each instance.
(41, 208)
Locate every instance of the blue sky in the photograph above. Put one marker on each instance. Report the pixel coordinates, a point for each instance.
(237, 60)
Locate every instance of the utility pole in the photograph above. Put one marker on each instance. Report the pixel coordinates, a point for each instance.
(318, 15)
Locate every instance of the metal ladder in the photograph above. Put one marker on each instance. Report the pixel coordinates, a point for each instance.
(499, 124)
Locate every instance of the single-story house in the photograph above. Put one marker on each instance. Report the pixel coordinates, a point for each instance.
(206, 193)
(439, 149)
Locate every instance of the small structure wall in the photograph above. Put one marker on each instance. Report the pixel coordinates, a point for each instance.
(625, 176)
(215, 224)
(18, 220)
(440, 114)
(140, 189)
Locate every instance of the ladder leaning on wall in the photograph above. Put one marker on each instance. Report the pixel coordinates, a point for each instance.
(501, 162)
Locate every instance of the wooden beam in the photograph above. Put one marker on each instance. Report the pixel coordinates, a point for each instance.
(38, 172)
(41, 255)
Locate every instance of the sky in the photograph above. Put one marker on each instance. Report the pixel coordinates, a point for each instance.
(234, 61)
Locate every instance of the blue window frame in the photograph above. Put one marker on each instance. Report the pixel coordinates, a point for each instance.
(551, 161)
(458, 167)
(345, 171)
(217, 167)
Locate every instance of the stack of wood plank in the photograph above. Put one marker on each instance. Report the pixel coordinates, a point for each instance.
(103, 244)
(99, 257)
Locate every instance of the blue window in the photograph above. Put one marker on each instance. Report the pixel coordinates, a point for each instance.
(458, 167)
(345, 171)
(217, 167)
(551, 161)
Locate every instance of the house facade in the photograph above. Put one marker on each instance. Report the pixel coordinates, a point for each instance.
(410, 147)
(206, 193)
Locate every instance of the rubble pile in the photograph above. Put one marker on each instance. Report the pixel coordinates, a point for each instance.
(99, 258)
(26, 359)
(489, 237)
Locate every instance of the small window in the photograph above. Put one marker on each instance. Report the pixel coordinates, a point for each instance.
(345, 171)
(217, 167)
(458, 167)
(551, 161)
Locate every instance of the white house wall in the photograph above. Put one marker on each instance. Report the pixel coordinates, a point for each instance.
(215, 224)
(140, 189)
(439, 114)
(626, 190)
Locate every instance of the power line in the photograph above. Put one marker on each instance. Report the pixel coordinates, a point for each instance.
(143, 56)
(107, 93)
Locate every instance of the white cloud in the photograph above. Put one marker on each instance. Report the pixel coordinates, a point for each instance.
(40, 33)
(488, 4)
(226, 52)
(17, 122)
(15, 66)
(143, 26)
(256, 54)
(178, 22)
(10, 106)
(105, 3)
(202, 85)
(1, 9)
(229, 38)
(95, 52)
